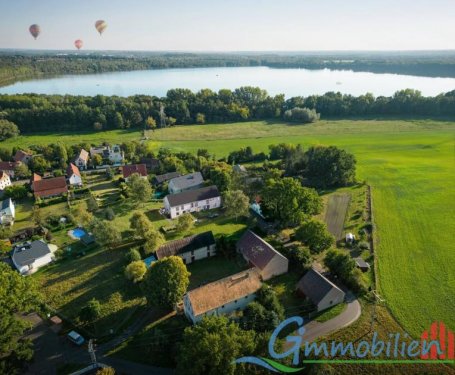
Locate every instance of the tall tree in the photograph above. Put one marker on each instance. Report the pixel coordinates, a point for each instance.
(106, 233)
(315, 235)
(139, 188)
(185, 222)
(236, 202)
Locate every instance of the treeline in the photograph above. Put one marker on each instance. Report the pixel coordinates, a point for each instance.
(23, 65)
(37, 113)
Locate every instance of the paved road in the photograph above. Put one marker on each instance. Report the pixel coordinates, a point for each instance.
(314, 329)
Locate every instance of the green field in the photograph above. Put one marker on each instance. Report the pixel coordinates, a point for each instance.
(410, 166)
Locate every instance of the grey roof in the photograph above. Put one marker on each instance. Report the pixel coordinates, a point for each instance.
(256, 250)
(27, 253)
(159, 179)
(361, 263)
(188, 181)
(187, 244)
(190, 196)
(5, 204)
(315, 286)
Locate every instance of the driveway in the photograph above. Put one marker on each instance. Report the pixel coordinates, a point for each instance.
(314, 330)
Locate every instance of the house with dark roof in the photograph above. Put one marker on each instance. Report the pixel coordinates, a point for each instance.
(81, 160)
(49, 187)
(320, 290)
(9, 167)
(22, 156)
(190, 249)
(162, 178)
(187, 182)
(7, 212)
(152, 164)
(260, 254)
(223, 296)
(206, 198)
(74, 175)
(30, 256)
(131, 169)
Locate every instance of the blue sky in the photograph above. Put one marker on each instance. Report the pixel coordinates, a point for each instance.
(231, 25)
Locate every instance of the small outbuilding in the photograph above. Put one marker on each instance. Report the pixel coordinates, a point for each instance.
(360, 263)
(350, 238)
(320, 290)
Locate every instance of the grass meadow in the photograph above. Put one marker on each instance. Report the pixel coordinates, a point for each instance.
(408, 163)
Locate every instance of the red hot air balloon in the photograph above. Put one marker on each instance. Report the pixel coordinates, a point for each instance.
(78, 43)
(34, 30)
(100, 25)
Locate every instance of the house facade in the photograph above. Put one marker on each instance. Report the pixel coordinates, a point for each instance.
(190, 249)
(187, 182)
(260, 254)
(7, 212)
(192, 201)
(320, 290)
(30, 256)
(5, 181)
(74, 175)
(81, 160)
(233, 293)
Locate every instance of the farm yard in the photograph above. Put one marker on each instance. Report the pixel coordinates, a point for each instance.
(408, 164)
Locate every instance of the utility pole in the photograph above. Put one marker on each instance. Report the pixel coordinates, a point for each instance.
(91, 351)
(377, 298)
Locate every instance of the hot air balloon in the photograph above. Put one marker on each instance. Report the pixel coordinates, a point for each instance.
(34, 30)
(78, 43)
(100, 26)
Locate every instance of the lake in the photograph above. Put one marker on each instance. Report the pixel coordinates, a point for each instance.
(291, 82)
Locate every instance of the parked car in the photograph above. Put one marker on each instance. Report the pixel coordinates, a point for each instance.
(76, 338)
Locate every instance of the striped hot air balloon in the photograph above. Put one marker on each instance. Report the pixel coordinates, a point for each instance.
(78, 43)
(100, 25)
(34, 30)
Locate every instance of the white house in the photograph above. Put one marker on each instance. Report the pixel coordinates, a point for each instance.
(190, 249)
(320, 290)
(112, 153)
(30, 256)
(7, 212)
(187, 182)
(74, 175)
(205, 198)
(260, 254)
(81, 160)
(233, 293)
(5, 181)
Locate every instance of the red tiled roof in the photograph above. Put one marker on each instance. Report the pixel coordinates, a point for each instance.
(128, 170)
(8, 165)
(50, 186)
(72, 169)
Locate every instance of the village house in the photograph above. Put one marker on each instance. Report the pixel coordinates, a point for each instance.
(320, 290)
(128, 170)
(22, 157)
(9, 167)
(162, 178)
(260, 254)
(192, 201)
(5, 181)
(187, 182)
(7, 212)
(30, 256)
(73, 175)
(233, 293)
(81, 160)
(49, 187)
(190, 249)
(112, 153)
(152, 164)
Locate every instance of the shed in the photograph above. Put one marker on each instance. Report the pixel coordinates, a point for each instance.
(360, 263)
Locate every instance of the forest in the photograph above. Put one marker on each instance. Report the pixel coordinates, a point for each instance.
(21, 65)
(46, 113)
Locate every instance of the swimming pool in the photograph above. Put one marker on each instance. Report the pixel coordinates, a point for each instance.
(77, 233)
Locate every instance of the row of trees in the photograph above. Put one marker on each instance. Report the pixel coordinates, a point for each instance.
(34, 113)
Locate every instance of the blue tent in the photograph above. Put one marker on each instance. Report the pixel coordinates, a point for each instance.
(148, 261)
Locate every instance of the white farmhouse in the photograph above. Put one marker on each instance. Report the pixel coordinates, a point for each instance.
(74, 175)
(7, 212)
(205, 198)
(260, 254)
(320, 290)
(5, 181)
(233, 293)
(198, 246)
(30, 256)
(187, 182)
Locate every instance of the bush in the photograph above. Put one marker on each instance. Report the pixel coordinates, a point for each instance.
(109, 214)
(315, 234)
(132, 255)
(363, 245)
(135, 271)
(304, 115)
